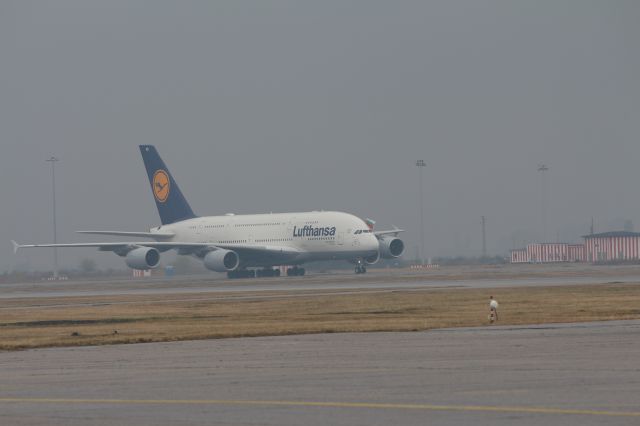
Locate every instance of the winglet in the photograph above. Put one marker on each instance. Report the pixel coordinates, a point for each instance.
(370, 223)
(16, 246)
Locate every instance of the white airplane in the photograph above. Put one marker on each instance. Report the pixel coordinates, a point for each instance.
(234, 243)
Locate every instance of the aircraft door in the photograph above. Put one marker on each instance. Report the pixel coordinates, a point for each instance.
(200, 232)
(290, 227)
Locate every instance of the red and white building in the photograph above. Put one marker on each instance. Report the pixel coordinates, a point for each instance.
(549, 253)
(604, 247)
(612, 246)
(519, 256)
(576, 253)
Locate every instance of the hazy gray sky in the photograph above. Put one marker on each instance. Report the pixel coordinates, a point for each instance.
(262, 106)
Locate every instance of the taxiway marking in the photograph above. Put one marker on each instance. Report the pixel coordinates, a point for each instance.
(427, 407)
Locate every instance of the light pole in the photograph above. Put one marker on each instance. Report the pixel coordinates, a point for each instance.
(421, 165)
(53, 161)
(484, 237)
(543, 169)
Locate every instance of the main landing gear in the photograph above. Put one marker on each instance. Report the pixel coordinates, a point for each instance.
(241, 273)
(252, 273)
(267, 272)
(295, 272)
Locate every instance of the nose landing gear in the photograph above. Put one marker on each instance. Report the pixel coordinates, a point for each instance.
(360, 268)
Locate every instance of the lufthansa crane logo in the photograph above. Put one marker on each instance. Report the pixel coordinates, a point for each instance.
(161, 185)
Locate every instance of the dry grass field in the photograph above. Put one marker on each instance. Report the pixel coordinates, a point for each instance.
(102, 320)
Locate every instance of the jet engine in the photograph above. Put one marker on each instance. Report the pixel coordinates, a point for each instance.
(143, 258)
(221, 260)
(391, 247)
(373, 259)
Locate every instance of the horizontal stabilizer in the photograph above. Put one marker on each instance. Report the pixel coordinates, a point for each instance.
(154, 235)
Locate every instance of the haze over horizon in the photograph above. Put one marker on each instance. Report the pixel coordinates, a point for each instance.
(294, 106)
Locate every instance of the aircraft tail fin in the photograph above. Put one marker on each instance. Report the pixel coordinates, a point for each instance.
(16, 246)
(171, 204)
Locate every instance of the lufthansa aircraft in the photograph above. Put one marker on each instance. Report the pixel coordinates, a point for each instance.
(234, 243)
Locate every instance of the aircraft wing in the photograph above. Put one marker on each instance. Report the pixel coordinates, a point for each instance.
(252, 254)
(393, 232)
(119, 247)
(154, 235)
(245, 251)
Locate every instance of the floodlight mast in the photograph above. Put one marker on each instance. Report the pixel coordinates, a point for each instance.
(421, 165)
(53, 160)
(542, 170)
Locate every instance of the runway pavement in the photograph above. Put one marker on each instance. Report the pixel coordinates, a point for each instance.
(569, 374)
(209, 284)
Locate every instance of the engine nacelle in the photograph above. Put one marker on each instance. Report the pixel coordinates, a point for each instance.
(221, 260)
(373, 259)
(391, 247)
(143, 258)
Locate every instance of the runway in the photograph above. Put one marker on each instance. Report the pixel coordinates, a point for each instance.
(382, 280)
(570, 374)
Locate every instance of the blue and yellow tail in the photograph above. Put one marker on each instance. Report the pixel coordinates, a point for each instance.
(172, 206)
